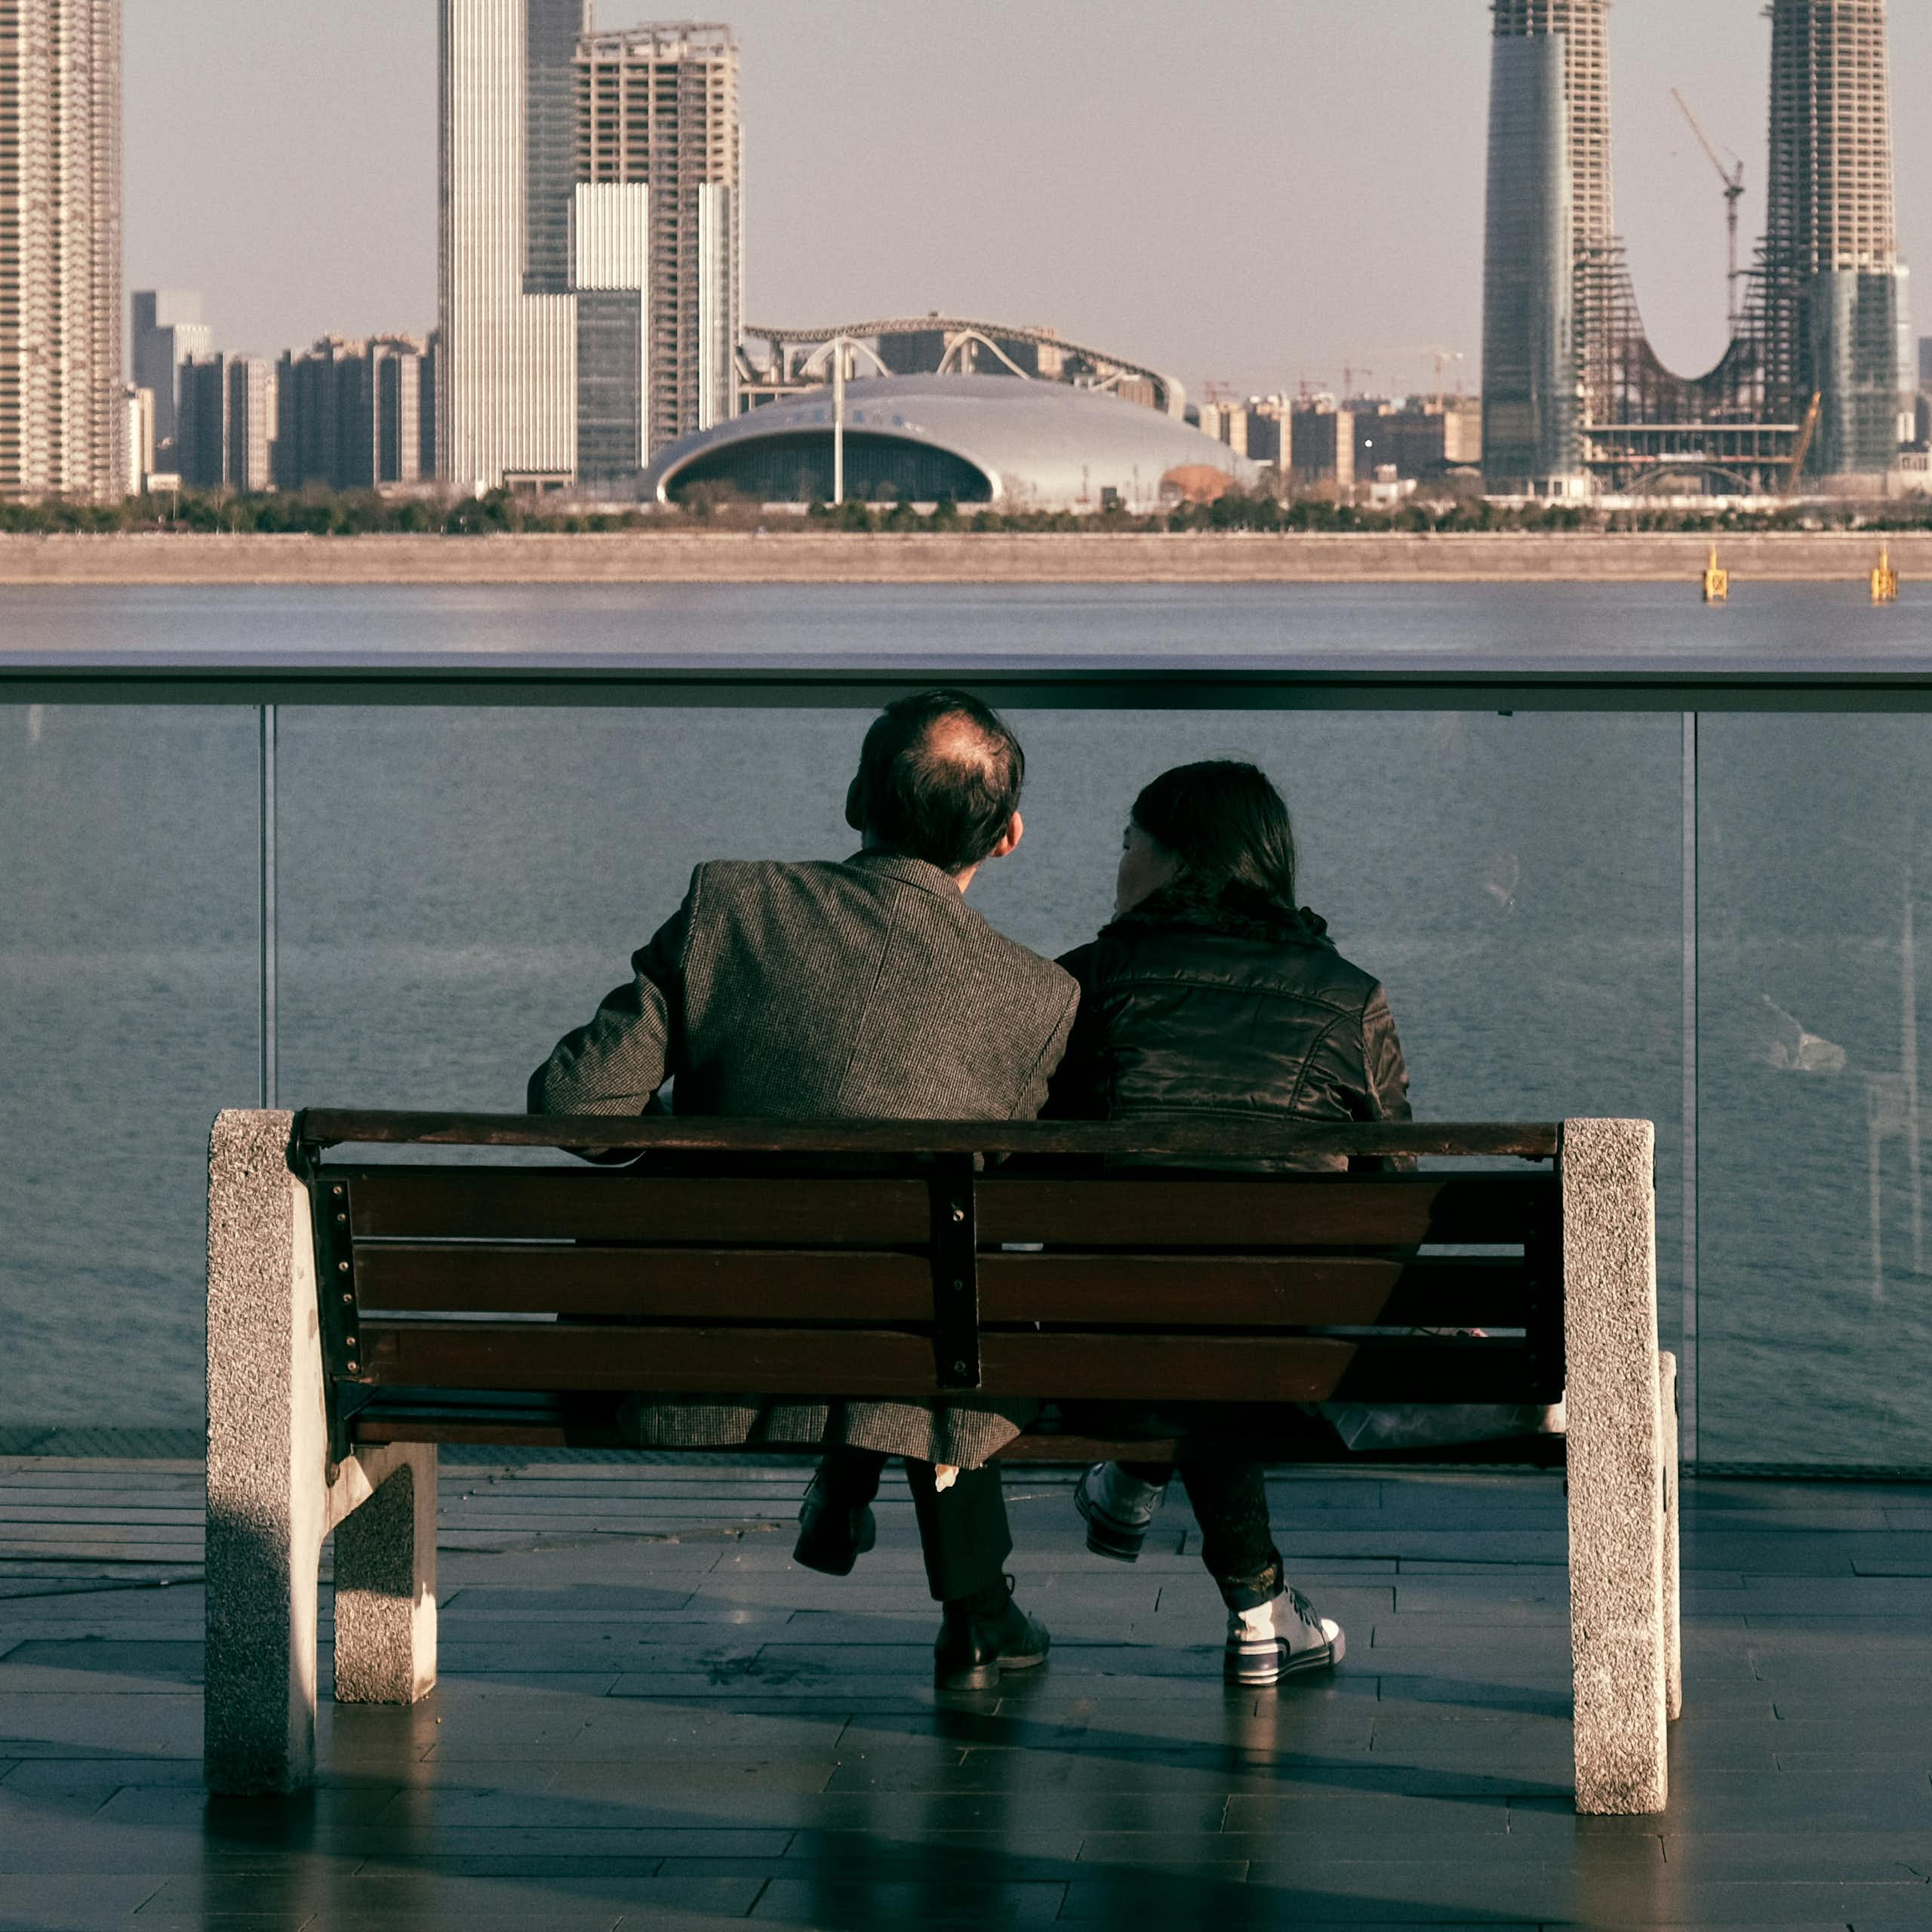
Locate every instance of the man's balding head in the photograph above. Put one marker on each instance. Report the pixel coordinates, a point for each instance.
(939, 779)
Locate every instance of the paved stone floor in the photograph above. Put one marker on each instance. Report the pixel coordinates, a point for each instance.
(648, 1717)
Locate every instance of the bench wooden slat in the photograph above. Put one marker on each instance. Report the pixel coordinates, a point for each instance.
(1144, 1210)
(536, 1422)
(1232, 1291)
(853, 1362)
(1147, 1210)
(564, 1204)
(320, 1128)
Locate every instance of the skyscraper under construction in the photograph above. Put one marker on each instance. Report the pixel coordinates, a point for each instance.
(1575, 398)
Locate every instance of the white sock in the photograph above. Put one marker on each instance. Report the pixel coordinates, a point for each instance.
(1257, 1623)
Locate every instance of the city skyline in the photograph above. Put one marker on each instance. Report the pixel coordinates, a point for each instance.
(1143, 205)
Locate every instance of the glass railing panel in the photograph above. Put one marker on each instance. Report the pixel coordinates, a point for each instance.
(460, 886)
(128, 959)
(1816, 1302)
(1515, 881)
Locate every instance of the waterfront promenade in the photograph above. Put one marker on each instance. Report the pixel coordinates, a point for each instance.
(648, 1717)
(783, 554)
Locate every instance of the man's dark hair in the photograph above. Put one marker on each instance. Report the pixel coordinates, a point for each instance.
(1226, 824)
(939, 779)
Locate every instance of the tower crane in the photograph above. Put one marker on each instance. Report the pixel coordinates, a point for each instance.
(1443, 358)
(1732, 178)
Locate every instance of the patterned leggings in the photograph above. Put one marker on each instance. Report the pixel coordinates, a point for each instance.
(1229, 1497)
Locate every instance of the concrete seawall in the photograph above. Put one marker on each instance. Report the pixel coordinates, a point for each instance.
(825, 557)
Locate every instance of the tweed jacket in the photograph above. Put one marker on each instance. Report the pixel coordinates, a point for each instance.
(866, 990)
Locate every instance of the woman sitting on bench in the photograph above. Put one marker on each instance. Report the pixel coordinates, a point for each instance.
(1211, 993)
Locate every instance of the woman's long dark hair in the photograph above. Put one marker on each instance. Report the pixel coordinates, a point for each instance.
(1226, 824)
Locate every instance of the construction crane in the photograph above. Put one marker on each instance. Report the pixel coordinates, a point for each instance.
(1732, 178)
(1443, 358)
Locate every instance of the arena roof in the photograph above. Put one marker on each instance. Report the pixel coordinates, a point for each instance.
(957, 331)
(1030, 444)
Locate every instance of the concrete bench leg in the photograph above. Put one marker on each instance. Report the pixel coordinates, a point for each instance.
(386, 1587)
(1616, 1465)
(270, 1502)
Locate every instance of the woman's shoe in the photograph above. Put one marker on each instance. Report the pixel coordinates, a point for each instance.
(1280, 1638)
(1119, 1510)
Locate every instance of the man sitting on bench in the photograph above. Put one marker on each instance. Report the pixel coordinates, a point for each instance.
(861, 990)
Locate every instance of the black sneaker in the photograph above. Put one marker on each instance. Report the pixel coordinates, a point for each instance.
(832, 1536)
(972, 1650)
(1117, 1510)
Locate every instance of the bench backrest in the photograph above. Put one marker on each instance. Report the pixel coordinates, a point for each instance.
(916, 1260)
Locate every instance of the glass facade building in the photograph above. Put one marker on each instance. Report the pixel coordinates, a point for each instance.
(551, 30)
(1531, 366)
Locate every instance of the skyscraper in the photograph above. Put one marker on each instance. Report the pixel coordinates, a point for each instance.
(507, 370)
(62, 411)
(1575, 395)
(658, 106)
(591, 253)
(1836, 308)
(1532, 378)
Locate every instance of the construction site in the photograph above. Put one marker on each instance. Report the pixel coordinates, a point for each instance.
(1810, 395)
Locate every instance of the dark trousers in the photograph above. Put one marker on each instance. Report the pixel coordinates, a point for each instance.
(1229, 1497)
(963, 1530)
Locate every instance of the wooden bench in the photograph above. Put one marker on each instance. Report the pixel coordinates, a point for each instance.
(360, 1313)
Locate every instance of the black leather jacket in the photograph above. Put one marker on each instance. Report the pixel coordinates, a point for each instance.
(1231, 1007)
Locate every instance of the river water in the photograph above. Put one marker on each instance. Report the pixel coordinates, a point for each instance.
(458, 885)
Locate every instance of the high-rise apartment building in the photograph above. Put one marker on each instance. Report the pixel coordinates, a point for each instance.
(227, 426)
(201, 423)
(658, 108)
(62, 411)
(138, 406)
(168, 329)
(251, 424)
(353, 415)
(507, 373)
(398, 365)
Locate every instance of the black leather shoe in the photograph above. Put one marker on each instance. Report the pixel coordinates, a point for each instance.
(832, 1536)
(972, 1650)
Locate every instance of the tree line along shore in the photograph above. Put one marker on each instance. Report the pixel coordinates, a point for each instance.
(318, 537)
(320, 512)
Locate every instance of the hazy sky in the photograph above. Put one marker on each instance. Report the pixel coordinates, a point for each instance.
(1249, 190)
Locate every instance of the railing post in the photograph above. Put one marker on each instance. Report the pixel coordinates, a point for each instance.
(267, 918)
(1687, 1349)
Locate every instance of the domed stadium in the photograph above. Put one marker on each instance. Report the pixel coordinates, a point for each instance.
(974, 439)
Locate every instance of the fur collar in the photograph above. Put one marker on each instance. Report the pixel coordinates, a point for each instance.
(1238, 912)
